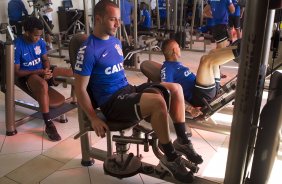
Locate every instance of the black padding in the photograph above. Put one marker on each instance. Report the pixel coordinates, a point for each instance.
(116, 125)
(152, 70)
(74, 45)
(56, 99)
(165, 93)
(56, 112)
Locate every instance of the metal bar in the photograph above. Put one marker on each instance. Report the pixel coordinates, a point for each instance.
(175, 16)
(158, 15)
(86, 18)
(167, 15)
(192, 23)
(247, 91)
(10, 93)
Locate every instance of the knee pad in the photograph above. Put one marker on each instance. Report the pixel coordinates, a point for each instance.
(157, 88)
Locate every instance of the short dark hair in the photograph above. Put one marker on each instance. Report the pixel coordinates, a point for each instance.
(166, 43)
(32, 23)
(100, 7)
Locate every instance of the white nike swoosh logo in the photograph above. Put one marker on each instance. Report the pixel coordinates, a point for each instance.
(25, 54)
(104, 55)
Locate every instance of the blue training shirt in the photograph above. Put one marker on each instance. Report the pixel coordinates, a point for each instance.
(15, 10)
(102, 60)
(162, 9)
(237, 9)
(220, 10)
(126, 9)
(147, 20)
(29, 55)
(174, 71)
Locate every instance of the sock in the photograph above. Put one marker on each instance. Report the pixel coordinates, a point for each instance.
(236, 51)
(169, 151)
(217, 83)
(180, 130)
(47, 119)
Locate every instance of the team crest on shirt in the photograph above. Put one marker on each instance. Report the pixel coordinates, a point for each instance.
(119, 50)
(37, 50)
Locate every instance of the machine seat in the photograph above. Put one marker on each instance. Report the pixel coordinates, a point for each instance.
(56, 99)
(151, 70)
(116, 126)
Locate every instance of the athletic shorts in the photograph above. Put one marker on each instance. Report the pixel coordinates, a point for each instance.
(22, 81)
(220, 33)
(124, 106)
(234, 21)
(201, 93)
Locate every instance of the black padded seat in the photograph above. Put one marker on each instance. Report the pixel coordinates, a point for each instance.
(74, 45)
(116, 125)
(56, 99)
(151, 70)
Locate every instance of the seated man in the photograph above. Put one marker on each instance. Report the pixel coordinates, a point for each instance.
(99, 67)
(207, 81)
(32, 68)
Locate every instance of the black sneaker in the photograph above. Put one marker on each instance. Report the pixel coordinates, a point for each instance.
(188, 151)
(237, 50)
(177, 169)
(52, 133)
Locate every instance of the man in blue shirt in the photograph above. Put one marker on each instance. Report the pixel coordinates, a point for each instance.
(100, 78)
(205, 84)
(16, 9)
(32, 68)
(234, 21)
(145, 20)
(126, 8)
(162, 11)
(219, 11)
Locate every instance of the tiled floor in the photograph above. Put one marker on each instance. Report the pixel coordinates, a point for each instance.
(29, 157)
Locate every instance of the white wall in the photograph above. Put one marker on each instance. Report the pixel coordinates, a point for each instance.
(77, 4)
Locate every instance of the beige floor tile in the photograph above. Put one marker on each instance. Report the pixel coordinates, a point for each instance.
(35, 170)
(70, 176)
(64, 151)
(5, 180)
(73, 164)
(151, 180)
(97, 176)
(22, 143)
(10, 162)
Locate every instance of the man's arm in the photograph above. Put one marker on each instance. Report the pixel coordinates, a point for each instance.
(24, 9)
(81, 83)
(207, 11)
(231, 8)
(22, 73)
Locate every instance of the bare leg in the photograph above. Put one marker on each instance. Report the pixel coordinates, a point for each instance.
(39, 88)
(238, 32)
(205, 73)
(154, 105)
(177, 108)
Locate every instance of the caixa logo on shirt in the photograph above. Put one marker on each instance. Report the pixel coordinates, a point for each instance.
(32, 63)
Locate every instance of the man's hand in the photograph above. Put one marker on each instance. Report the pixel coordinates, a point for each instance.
(99, 126)
(194, 111)
(47, 74)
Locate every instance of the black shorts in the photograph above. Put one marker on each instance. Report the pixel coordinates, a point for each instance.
(201, 93)
(220, 33)
(234, 21)
(124, 106)
(22, 81)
